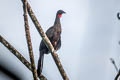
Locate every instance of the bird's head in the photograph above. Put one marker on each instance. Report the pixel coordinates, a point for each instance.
(60, 12)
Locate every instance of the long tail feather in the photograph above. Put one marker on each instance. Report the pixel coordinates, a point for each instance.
(40, 63)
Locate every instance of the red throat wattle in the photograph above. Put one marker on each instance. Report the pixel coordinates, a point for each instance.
(59, 15)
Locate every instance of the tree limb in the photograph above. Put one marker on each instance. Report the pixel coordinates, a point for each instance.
(18, 55)
(28, 38)
(47, 42)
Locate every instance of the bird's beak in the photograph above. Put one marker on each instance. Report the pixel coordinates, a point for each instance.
(64, 12)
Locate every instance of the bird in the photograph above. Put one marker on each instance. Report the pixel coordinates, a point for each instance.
(54, 35)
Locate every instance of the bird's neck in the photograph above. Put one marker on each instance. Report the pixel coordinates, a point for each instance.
(57, 24)
(57, 20)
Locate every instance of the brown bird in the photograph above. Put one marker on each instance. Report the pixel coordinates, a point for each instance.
(54, 35)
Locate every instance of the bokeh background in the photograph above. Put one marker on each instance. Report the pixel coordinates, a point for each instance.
(90, 36)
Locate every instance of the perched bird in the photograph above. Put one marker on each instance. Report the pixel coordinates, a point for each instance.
(54, 35)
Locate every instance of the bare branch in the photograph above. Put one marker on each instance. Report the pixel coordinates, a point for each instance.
(18, 55)
(118, 71)
(113, 62)
(118, 15)
(28, 38)
(47, 42)
(117, 76)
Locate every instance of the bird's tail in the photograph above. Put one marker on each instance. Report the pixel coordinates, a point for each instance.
(40, 63)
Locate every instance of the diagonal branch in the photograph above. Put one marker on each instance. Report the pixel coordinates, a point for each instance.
(47, 42)
(118, 71)
(117, 76)
(18, 55)
(9, 73)
(28, 38)
(113, 62)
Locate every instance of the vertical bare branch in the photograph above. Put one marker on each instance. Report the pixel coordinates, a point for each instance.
(18, 55)
(47, 42)
(29, 40)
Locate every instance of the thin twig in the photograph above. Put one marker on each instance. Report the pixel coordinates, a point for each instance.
(113, 62)
(118, 71)
(28, 38)
(118, 74)
(47, 42)
(18, 55)
(118, 16)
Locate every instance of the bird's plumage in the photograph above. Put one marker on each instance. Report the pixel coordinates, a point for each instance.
(54, 35)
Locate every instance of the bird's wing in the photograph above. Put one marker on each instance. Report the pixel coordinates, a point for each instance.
(54, 36)
(50, 32)
(58, 44)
